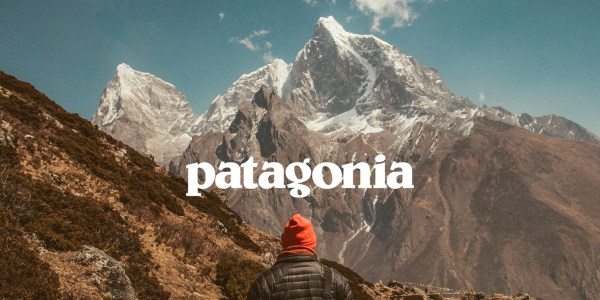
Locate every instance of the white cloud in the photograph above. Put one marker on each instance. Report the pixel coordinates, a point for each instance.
(268, 45)
(268, 57)
(401, 12)
(249, 41)
(259, 33)
(349, 19)
(482, 97)
(221, 16)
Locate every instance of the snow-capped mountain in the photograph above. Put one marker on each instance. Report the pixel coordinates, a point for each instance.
(362, 73)
(147, 113)
(342, 82)
(348, 97)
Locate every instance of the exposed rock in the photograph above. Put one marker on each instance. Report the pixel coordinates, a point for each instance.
(106, 272)
(7, 137)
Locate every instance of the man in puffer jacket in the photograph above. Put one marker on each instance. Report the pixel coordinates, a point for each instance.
(298, 274)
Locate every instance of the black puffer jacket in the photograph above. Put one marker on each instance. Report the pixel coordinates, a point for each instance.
(298, 276)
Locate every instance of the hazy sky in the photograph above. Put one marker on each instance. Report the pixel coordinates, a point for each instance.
(538, 57)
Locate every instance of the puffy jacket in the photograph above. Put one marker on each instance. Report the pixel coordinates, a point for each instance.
(298, 276)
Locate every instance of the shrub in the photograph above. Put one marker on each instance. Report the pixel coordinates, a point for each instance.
(236, 276)
(23, 275)
(212, 205)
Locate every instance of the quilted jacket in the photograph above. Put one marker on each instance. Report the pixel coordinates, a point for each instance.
(298, 276)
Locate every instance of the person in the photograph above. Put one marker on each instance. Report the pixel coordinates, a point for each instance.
(298, 273)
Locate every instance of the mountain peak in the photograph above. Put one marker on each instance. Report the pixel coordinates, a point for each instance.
(123, 66)
(148, 107)
(331, 25)
(123, 69)
(125, 74)
(330, 20)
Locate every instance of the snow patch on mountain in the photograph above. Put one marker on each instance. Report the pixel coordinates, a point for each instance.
(348, 121)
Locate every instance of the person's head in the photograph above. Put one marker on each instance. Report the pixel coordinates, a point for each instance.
(298, 232)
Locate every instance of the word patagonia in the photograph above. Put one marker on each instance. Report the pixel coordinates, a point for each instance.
(274, 175)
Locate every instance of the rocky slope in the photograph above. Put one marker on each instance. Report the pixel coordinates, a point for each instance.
(146, 112)
(84, 216)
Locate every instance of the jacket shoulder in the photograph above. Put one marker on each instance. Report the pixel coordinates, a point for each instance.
(341, 286)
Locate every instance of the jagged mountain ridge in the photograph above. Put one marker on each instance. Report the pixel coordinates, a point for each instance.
(340, 79)
(146, 112)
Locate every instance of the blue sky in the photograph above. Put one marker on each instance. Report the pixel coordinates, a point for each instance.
(531, 56)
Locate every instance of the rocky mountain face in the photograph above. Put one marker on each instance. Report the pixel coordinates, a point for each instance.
(493, 204)
(146, 112)
(224, 108)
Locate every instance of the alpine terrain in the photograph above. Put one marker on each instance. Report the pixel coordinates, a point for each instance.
(84, 216)
(502, 202)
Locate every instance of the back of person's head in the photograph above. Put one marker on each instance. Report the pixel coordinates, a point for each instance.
(298, 273)
(298, 233)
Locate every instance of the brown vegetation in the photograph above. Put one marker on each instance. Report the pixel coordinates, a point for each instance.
(24, 275)
(236, 276)
(64, 218)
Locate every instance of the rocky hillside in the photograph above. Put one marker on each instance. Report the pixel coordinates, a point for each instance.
(85, 216)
